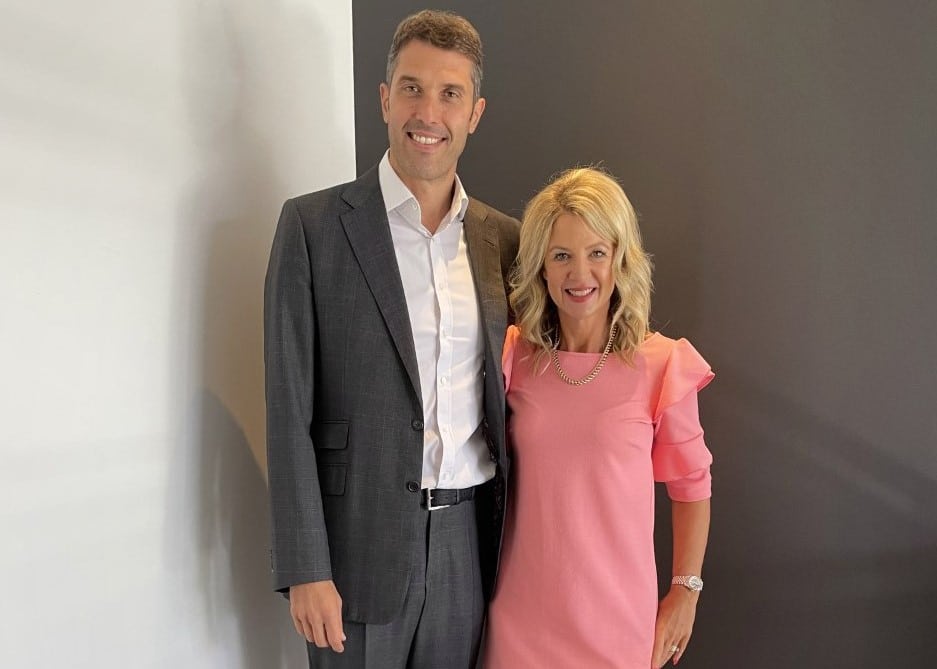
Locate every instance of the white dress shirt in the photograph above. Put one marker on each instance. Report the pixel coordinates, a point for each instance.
(447, 334)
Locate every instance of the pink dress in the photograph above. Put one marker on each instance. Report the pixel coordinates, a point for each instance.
(578, 583)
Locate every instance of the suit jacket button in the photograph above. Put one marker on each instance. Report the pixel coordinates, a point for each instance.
(413, 486)
(417, 424)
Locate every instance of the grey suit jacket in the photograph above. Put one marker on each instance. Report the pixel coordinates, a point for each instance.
(344, 414)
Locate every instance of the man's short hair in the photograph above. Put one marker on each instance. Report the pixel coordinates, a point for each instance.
(443, 30)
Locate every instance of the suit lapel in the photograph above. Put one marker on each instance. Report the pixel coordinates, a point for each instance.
(368, 233)
(485, 258)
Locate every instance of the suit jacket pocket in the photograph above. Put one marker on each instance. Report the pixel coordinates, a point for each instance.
(332, 479)
(330, 439)
(330, 435)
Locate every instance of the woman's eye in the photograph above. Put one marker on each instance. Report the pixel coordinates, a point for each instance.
(560, 256)
(599, 253)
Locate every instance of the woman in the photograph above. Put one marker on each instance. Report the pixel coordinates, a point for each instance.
(600, 409)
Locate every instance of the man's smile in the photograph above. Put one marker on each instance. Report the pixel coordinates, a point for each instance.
(424, 139)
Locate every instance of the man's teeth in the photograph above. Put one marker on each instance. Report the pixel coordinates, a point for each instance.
(422, 139)
(579, 293)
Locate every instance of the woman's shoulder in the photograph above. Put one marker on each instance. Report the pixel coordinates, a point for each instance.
(658, 346)
(512, 334)
(516, 347)
(663, 355)
(517, 344)
(515, 339)
(675, 367)
(512, 338)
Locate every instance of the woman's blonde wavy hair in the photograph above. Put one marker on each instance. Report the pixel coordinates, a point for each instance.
(597, 199)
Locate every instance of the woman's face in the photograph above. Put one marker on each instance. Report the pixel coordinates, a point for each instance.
(578, 272)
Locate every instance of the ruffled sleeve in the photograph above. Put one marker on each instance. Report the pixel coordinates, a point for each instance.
(507, 354)
(680, 457)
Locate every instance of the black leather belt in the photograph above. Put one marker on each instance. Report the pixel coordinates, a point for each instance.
(435, 498)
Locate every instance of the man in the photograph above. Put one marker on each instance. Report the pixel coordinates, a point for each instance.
(385, 314)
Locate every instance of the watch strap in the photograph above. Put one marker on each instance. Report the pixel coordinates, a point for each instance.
(690, 582)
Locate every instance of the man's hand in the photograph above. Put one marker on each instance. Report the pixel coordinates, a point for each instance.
(317, 614)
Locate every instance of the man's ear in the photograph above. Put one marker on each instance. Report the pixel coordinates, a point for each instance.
(477, 112)
(384, 90)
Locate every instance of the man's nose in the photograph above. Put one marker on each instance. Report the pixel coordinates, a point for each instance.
(427, 109)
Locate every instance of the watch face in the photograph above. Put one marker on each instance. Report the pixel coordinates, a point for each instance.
(695, 583)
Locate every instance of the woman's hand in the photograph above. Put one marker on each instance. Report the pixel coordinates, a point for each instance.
(675, 616)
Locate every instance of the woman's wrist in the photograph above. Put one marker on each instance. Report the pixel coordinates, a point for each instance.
(685, 594)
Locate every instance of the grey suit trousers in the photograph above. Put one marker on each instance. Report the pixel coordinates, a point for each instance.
(440, 624)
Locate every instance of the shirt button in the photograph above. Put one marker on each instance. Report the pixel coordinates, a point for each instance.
(417, 424)
(413, 486)
(443, 381)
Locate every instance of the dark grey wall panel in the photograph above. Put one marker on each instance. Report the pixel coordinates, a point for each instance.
(783, 159)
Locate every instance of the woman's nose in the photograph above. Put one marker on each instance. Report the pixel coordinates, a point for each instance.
(578, 268)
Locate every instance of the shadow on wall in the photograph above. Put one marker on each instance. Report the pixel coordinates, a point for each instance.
(802, 509)
(232, 548)
(241, 83)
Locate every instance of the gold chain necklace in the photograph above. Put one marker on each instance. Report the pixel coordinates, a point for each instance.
(595, 370)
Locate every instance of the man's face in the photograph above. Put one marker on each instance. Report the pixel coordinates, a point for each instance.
(429, 111)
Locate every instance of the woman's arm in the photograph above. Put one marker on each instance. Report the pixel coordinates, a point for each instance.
(677, 609)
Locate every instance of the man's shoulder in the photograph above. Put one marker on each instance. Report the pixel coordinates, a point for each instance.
(337, 198)
(495, 216)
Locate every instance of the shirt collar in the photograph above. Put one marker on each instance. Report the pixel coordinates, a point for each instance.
(396, 195)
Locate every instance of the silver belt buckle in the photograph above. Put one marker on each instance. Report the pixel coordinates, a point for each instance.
(429, 501)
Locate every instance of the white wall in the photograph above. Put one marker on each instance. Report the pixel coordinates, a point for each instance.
(145, 150)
